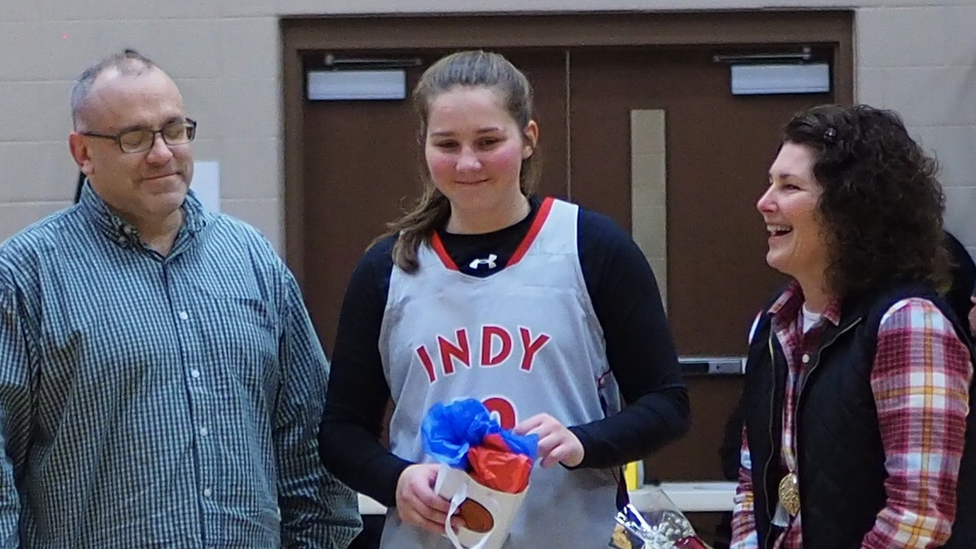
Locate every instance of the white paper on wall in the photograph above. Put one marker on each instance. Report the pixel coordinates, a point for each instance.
(206, 184)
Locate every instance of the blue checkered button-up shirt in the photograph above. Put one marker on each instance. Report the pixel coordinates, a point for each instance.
(152, 401)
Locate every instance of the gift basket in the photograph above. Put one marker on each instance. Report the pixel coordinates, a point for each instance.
(658, 524)
(484, 470)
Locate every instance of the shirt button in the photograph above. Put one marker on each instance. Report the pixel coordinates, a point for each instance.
(195, 374)
(805, 358)
(183, 315)
(207, 492)
(204, 431)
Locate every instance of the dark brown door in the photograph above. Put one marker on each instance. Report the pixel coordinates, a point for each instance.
(361, 164)
(719, 148)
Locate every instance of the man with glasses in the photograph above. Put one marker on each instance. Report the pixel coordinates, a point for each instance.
(160, 380)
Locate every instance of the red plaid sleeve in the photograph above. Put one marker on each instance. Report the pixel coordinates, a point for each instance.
(920, 381)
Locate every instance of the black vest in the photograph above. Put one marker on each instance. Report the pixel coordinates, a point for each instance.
(839, 450)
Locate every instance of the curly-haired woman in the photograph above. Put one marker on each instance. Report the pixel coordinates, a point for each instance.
(858, 432)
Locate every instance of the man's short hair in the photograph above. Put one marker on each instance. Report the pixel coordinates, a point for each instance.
(128, 63)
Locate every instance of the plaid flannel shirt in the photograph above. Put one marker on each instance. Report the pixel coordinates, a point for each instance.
(920, 381)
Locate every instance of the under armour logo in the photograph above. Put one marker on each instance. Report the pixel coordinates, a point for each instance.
(490, 261)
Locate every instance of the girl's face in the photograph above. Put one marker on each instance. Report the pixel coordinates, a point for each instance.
(474, 151)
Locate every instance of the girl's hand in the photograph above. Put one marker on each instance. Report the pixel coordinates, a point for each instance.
(418, 504)
(557, 444)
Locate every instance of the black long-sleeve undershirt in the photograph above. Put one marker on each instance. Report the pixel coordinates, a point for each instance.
(625, 297)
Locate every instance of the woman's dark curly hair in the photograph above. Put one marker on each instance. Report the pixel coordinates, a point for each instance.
(881, 205)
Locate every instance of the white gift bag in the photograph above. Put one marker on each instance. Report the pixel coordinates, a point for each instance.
(489, 513)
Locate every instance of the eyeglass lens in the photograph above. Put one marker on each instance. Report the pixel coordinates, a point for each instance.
(174, 133)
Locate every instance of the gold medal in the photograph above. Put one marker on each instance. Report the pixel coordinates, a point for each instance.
(789, 494)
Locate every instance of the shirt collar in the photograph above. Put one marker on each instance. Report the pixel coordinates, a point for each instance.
(126, 234)
(787, 306)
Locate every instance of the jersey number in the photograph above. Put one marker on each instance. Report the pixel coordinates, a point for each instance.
(502, 410)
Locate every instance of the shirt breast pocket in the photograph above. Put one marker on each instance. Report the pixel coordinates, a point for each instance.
(242, 336)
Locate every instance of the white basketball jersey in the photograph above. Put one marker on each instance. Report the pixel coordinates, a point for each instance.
(524, 340)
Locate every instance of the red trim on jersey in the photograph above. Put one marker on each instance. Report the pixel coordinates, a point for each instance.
(438, 245)
(537, 223)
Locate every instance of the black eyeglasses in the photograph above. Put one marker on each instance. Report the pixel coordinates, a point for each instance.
(142, 139)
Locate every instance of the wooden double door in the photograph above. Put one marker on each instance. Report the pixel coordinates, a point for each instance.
(359, 164)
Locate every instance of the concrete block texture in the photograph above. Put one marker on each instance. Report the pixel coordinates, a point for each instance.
(915, 56)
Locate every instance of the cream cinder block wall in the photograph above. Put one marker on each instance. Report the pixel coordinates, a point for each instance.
(915, 56)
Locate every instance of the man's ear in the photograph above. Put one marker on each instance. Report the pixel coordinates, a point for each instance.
(79, 151)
